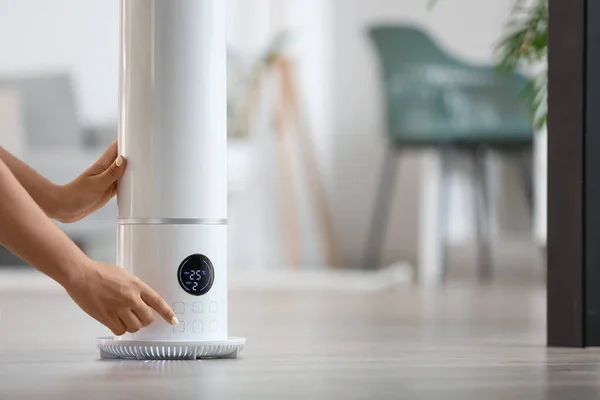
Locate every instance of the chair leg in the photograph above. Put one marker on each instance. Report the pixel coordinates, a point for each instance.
(526, 179)
(484, 256)
(448, 157)
(383, 203)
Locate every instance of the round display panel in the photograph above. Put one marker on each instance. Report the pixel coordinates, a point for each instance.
(196, 274)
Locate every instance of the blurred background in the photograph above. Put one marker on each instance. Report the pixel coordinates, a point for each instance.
(370, 141)
(388, 156)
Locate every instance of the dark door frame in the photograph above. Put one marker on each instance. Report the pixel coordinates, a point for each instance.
(574, 174)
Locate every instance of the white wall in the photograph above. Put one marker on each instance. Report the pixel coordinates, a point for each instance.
(468, 28)
(79, 36)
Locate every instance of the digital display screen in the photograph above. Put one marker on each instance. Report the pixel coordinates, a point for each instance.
(196, 274)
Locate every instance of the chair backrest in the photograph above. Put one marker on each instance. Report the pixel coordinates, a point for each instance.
(401, 46)
(49, 110)
(433, 96)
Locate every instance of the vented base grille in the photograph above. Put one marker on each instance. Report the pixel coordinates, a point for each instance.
(169, 349)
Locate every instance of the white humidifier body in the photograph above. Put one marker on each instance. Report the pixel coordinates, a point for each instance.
(172, 200)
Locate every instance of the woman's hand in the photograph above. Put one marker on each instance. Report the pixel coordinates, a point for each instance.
(92, 189)
(116, 298)
(108, 293)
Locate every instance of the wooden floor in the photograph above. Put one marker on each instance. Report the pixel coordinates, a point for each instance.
(458, 343)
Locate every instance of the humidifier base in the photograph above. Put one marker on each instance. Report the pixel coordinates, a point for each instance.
(114, 348)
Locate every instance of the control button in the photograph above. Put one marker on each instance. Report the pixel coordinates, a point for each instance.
(214, 326)
(198, 326)
(213, 307)
(198, 307)
(179, 328)
(179, 307)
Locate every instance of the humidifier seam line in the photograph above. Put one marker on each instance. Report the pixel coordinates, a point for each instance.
(172, 221)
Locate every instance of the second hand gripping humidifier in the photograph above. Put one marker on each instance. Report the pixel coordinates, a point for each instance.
(172, 200)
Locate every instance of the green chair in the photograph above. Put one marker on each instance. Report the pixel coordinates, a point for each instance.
(434, 100)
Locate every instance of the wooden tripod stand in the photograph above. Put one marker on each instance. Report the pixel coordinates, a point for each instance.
(293, 135)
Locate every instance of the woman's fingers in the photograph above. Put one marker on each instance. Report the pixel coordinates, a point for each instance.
(105, 160)
(130, 320)
(117, 327)
(113, 173)
(157, 303)
(144, 314)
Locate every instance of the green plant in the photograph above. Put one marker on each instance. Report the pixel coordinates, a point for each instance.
(525, 44)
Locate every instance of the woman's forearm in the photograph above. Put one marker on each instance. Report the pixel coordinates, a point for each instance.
(29, 233)
(42, 191)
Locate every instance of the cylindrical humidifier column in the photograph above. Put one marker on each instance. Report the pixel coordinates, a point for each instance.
(172, 200)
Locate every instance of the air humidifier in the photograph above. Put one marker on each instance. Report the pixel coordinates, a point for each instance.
(172, 200)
